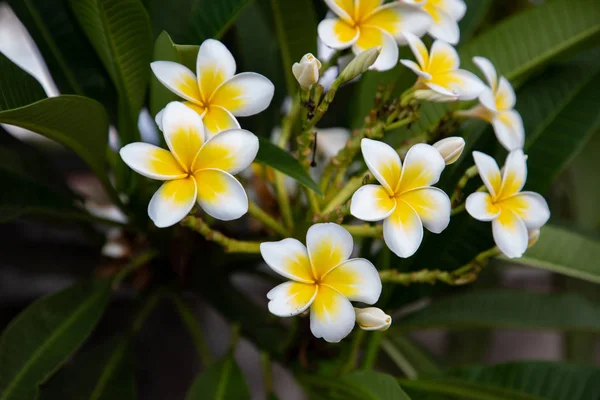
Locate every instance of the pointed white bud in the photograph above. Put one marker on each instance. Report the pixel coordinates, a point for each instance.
(450, 148)
(534, 235)
(372, 319)
(307, 71)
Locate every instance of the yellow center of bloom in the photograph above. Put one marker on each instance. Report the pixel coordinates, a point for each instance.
(366, 20)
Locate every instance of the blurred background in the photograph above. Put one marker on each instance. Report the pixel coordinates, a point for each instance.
(39, 256)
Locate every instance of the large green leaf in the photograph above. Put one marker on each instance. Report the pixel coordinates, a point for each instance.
(105, 372)
(560, 113)
(565, 252)
(211, 19)
(507, 309)
(551, 381)
(222, 380)
(44, 336)
(371, 385)
(120, 32)
(17, 87)
(79, 123)
(457, 389)
(274, 156)
(408, 356)
(74, 66)
(296, 27)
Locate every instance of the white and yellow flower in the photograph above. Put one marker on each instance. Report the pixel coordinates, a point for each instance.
(214, 91)
(497, 107)
(440, 79)
(195, 169)
(323, 278)
(364, 24)
(405, 200)
(513, 213)
(445, 15)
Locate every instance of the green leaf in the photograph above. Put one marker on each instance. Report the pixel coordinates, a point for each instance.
(222, 380)
(476, 12)
(17, 87)
(296, 29)
(79, 123)
(429, 389)
(211, 19)
(565, 252)
(371, 385)
(74, 66)
(120, 32)
(274, 156)
(45, 335)
(105, 372)
(410, 357)
(548, 380)
(507, 309)
(563, 99)
(164, 50)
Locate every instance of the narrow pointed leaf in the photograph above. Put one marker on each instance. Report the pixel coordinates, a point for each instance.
(17, 87)
(222, 380)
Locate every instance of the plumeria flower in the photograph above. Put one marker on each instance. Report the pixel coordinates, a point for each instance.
(195, 169)
(440, 79)
(364, 24)
(404, 199)
(445, 15)
(496, 107)
(323, 278)
(513, 213)
(215, 92)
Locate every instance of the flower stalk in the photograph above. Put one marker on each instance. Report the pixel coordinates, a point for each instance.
(228, 244)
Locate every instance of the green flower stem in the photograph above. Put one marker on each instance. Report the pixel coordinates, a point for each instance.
(365, 230)
(337, 215)
(350, 363)
(191, 323)
(458, 209)
(230, 245)
(313, 202)
(345, 193)
(372, 349)
(265, 361)
(460, 276)
(266, 219)
(135, 264)
(457, 195)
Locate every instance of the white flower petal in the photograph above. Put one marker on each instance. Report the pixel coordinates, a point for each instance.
(423, 166)
(432, 205)
(151, 161)
(184, 132)
(509, 130)
(450, 148)
(529, 207)
(217, 119)
(245, 94)
(172, 202)
(445, 27)
(372, 203)
(178, 79)
(383, 162)
(403, 230)
(489, 71)
(214, 65)
(442, 57)
(291, 298)
(438, 94)
(479, 206)
(397, 18)
(455, 8)
(331, 141)
(374, 37)
(230, 151)
(288, 258)
(514, 174)
(418, 48)
(221, 195)
(328, 246)
(415, 68)
(342, 8)
(489, 172)
(158, 119)
(356, 279)
(510, 234)
(332, 316)
(464, 84)
(505, 95)
(337, 34)
(488, 99)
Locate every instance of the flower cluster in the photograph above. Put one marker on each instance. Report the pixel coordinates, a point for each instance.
(207, 147)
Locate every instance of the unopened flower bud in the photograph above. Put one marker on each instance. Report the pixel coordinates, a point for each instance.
(534, 235)
(372, 319)
(307, 71)
(450, 148)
